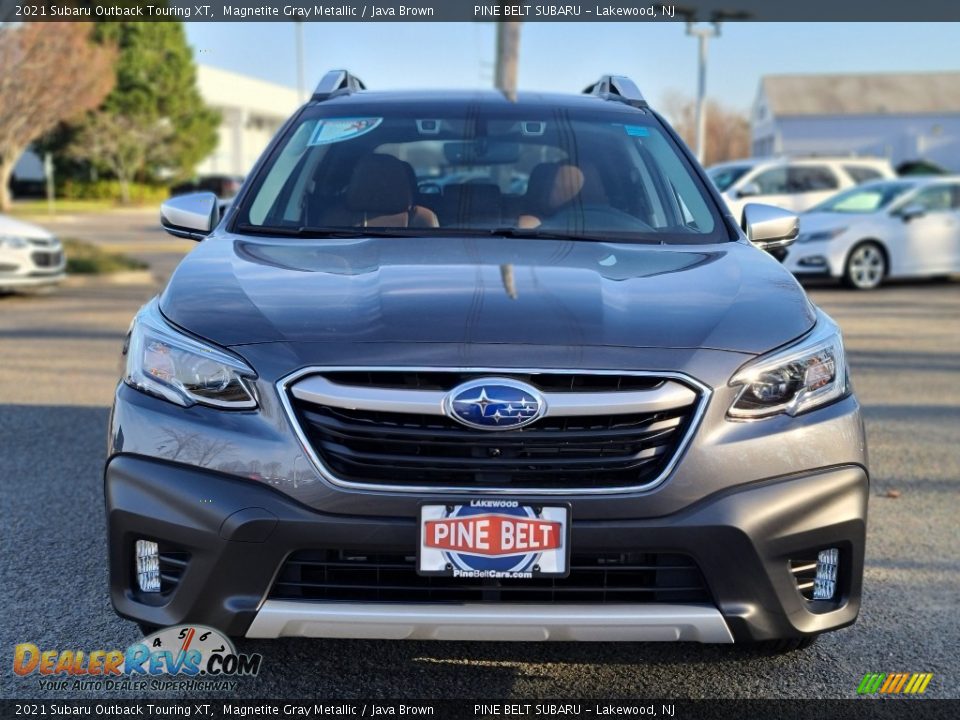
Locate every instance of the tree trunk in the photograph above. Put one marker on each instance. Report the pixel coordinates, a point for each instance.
(124, 190)
(6, 172)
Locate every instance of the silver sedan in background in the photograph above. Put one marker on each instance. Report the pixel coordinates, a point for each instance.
(29, 256)
(881, 230)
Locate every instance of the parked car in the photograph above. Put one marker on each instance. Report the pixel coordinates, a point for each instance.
(594, 410)
(887, 229)
(224, 187)
(792, 183)
(30, 256)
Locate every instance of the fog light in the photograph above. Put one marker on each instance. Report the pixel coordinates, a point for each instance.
(148, 566)
(825, 583)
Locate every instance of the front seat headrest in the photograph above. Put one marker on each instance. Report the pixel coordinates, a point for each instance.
(553, 185)
(380, 185)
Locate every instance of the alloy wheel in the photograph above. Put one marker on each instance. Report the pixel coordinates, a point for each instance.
(866, 267)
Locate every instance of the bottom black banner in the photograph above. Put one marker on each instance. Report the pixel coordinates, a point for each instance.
(865, 709)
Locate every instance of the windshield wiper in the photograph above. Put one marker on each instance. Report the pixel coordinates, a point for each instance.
(364, 232)
(535, 233)
(326, 232)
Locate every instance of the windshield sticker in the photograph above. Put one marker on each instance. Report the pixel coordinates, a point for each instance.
(636, 130)
(337, 130)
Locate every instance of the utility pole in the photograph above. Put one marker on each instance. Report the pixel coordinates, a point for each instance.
(703, 33)
(300, 74)
(51, 184)
(508, 55)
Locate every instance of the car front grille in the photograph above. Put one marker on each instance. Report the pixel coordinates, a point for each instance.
(354, 576)
(445, 380)
(47, 259)
(625, 449)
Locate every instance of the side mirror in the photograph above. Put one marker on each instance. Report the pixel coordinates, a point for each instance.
(749, 190)
(911, 211)
(192, 216)
(769, 227)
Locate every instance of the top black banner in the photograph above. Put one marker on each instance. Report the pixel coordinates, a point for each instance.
(478, 11)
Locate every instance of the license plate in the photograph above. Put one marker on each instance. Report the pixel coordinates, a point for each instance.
(486, 538)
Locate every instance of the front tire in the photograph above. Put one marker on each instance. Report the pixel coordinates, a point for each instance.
(147, 628)
(866, 266)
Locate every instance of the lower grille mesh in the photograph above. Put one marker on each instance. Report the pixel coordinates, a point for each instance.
(391, 577)
(47, 259)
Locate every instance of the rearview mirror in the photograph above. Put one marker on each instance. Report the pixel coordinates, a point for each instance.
(749, 190)
(911, 211)
(192, 216)
(769, 227)
(481, 152)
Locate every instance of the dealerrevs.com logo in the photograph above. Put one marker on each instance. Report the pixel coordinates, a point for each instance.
(182, 657)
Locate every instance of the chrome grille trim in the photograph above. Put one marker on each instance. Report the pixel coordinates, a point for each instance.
(321, 391)
(285, 388)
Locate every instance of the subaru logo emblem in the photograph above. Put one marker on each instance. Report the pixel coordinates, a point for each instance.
(494, 404)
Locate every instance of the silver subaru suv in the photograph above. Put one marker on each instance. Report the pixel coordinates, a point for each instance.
(467, 367)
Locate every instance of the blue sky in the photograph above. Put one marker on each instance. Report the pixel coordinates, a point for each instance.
(567, 56)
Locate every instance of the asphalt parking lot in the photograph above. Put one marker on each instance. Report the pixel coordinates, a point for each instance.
(58, 366)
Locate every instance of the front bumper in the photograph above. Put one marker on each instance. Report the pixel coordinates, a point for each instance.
(504, 622)
(815, 259)
(238, 533)
(33, 266)
(34, 279)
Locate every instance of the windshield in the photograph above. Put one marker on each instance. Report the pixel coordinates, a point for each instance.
(864, 199)
(465, 169)
(724, 177)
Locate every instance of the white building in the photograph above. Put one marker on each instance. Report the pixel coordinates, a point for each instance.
(252, 111)
(900, 116)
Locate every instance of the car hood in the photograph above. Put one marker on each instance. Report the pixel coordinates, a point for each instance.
(486, 290)
(12, 226)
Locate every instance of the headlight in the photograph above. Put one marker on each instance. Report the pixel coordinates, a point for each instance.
(802, 377)
(13, 242)
(164, 362)
(821, 235)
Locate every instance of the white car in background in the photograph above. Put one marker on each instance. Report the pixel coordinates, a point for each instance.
(795, 184)
(886, 229)
(29, 256)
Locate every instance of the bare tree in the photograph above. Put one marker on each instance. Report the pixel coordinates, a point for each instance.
(51, 72)
(120, 142)
(728, 131)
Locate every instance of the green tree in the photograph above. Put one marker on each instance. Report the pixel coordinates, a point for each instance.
(155, 99)
(120, 143)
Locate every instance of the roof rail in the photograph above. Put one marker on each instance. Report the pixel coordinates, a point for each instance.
(617, 87)
(337, 80)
